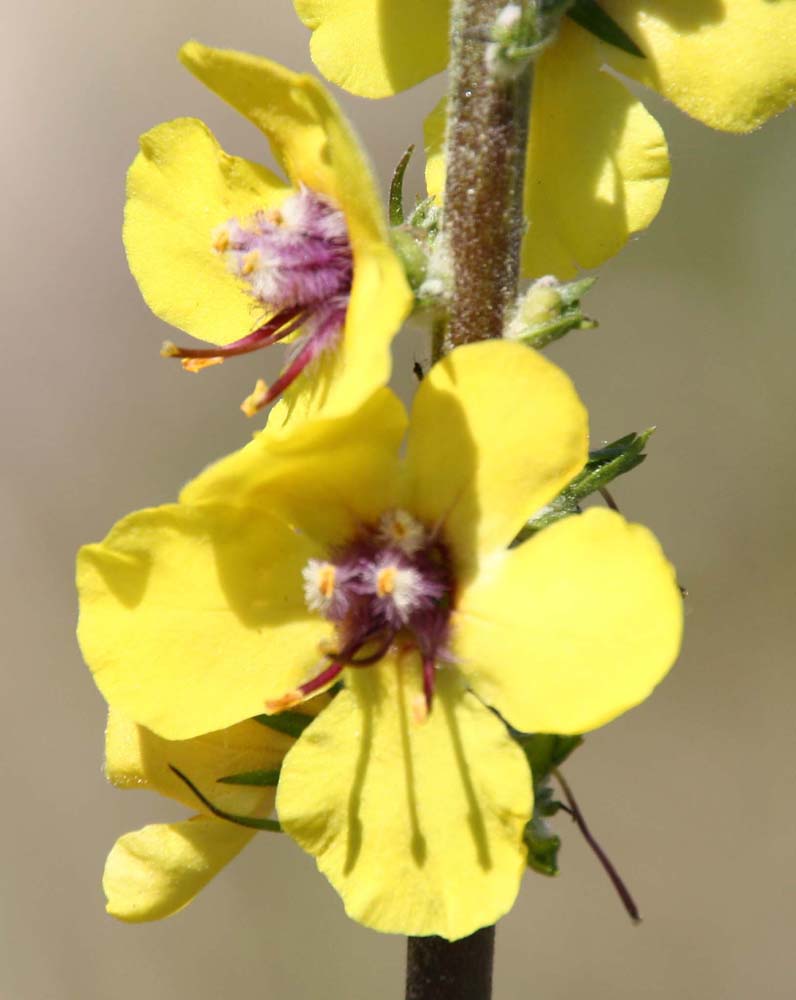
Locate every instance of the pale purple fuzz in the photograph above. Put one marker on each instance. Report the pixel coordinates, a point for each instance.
(298, 265)
(298, 255)
(393, 581)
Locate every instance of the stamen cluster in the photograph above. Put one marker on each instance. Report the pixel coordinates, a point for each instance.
(394, 581)
(298, 264)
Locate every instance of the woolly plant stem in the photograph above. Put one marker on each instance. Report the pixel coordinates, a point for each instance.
(485, 157)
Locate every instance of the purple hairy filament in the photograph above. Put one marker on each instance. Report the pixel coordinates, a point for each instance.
(297, 264)
(392, 585)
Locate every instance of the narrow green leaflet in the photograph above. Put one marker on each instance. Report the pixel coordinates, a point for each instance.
(257, 779)
(589, 15)
(250, 821)
(290, 723)
(604, 465)
(396, 202)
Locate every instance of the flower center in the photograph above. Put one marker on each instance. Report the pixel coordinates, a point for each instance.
(296, 262)
(392, 582)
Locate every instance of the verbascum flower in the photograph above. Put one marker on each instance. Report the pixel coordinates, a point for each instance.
(729, 63)
(297, 563)
(235, 255)
(597, 166)
(156, 871)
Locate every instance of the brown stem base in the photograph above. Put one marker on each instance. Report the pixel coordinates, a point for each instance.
(450, 970)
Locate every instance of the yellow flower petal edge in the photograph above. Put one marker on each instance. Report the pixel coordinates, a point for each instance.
(316, 147)
(496, 432)
(137, 758)
(417, 825)
(191, 618)
(180, 188)
(375, 48)
(325, 475)
(730, 64)
(573, 627)
(156, 871)
(597, 168)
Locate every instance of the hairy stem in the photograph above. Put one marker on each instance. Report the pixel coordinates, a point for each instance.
(485, 155)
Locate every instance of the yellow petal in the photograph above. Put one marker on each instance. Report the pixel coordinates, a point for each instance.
(732, 65)
(180, 188)
(153, 872)
(418, 826)
(191, 618)
(327, 476)
(597, 167)
(137, 758)
(315, 145)
(375, 48)
(434, 146)
(496, 431)
(572, 628)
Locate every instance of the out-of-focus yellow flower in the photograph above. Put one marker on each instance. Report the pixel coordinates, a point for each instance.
(729, 63)
(298, 562)
(233, 254)
(153, 872)
(597, 167)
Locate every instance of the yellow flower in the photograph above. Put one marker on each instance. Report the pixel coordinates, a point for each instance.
(299, 561)
(729, 63)
(235, 255)
(153, 872)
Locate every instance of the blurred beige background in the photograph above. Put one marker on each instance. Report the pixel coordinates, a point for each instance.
(692, 794)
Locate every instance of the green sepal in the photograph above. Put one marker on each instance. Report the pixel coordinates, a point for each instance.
(548, 311)
(396, 199)
(589, 15)
(541, 843)
(604, 465)
(252, 822)
(290, 723)
(544, 752)
(256, 779)
(410, 245)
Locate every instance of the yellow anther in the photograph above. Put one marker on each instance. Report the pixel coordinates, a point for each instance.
(221, 241)
(169, 349)
(326, 578)
(250, 262)
(199, 364)
(385, 581)
(255, 400)
(286, 701)
(274, 216)
(419, 709)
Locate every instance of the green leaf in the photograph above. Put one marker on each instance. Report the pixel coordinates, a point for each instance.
(396, 202)
(257, 779)
(250, 821)
(542, 847)
(290, 723)
(589, 15)
(541, 843)
(546, 751)
(603, 466)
